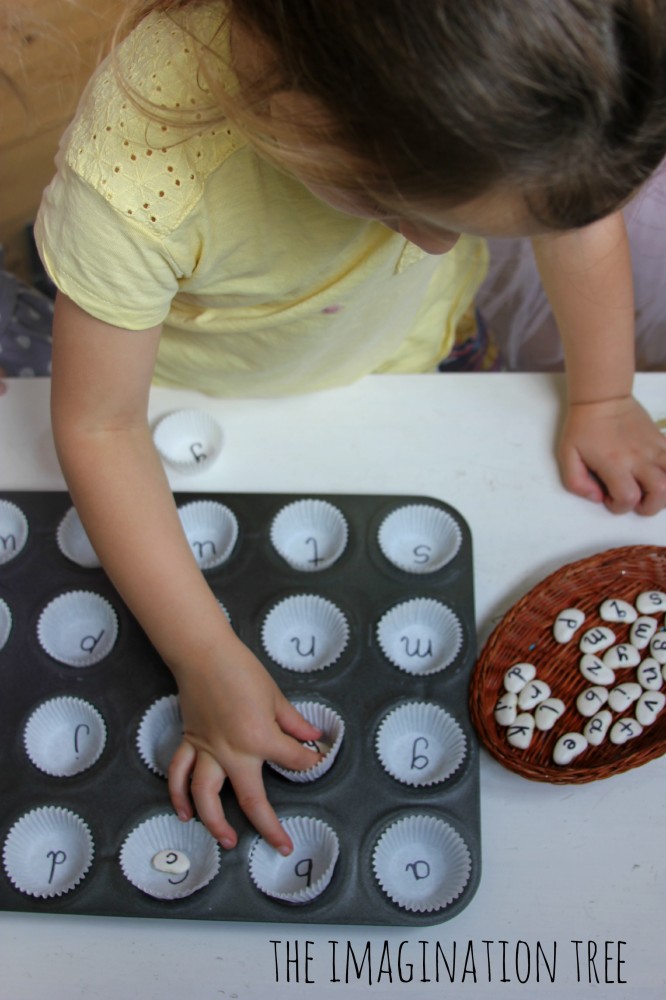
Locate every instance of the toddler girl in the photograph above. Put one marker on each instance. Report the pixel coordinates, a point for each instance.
(260, 197)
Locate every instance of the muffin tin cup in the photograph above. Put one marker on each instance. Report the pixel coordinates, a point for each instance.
(420, 744)
(354, 684)
(420, 636)
(305, 633)
(78, 628)
(150, 844)
(5, 623)
(48, 852)
(14, 531)
(332, 727)
(160, 734)
(74, 543)
(306, 873)
(422, 863)
(65, 736)
(419, 538)
(211, 529)
(310, 535)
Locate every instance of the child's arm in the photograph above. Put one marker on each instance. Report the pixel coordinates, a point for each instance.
(607, 437)
(233, 713)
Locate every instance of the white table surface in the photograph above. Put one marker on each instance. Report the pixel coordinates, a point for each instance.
(560, 863)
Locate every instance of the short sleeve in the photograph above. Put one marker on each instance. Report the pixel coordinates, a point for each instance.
(112, 268)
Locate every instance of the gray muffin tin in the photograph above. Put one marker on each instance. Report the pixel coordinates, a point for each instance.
(356, 797)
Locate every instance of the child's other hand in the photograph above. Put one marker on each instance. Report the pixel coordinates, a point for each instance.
(235, 718)
(612, 452)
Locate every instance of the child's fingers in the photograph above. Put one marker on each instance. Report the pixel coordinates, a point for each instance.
(195, 775)
(578, 479)
(205, 787)
(654, 491)
(293, 755)
(178, 779)
(292, 722)
(251, 796)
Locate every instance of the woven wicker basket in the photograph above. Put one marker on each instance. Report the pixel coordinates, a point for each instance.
(525, 635)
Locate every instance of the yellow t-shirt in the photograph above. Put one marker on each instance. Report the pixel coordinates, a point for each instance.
(262, 289)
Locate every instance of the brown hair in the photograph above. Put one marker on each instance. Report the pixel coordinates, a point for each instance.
(443, 100)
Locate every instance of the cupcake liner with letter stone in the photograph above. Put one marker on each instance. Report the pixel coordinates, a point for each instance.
(332, 728)
(147, 851)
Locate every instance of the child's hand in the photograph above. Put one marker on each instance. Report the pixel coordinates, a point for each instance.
(612, 452)
(235, 718)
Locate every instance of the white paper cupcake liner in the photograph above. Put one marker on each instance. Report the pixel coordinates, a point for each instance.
(79, 628)
(160, 734)
(74, 543)
(64, 736)
(420, 744)
(421, 863)
(13, 531)
(305, 633)
(211, 529)
(419, 538)
(189, 441)
(420, 636)
(307, 871)
(5, 623)
(166, 833)
(309, 534)
(332, 728)
(48, 852)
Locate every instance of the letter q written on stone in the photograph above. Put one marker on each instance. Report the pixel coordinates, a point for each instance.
(518, 676)
(567, 624)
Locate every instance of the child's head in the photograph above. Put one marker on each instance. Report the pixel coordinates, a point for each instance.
(430, 102)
